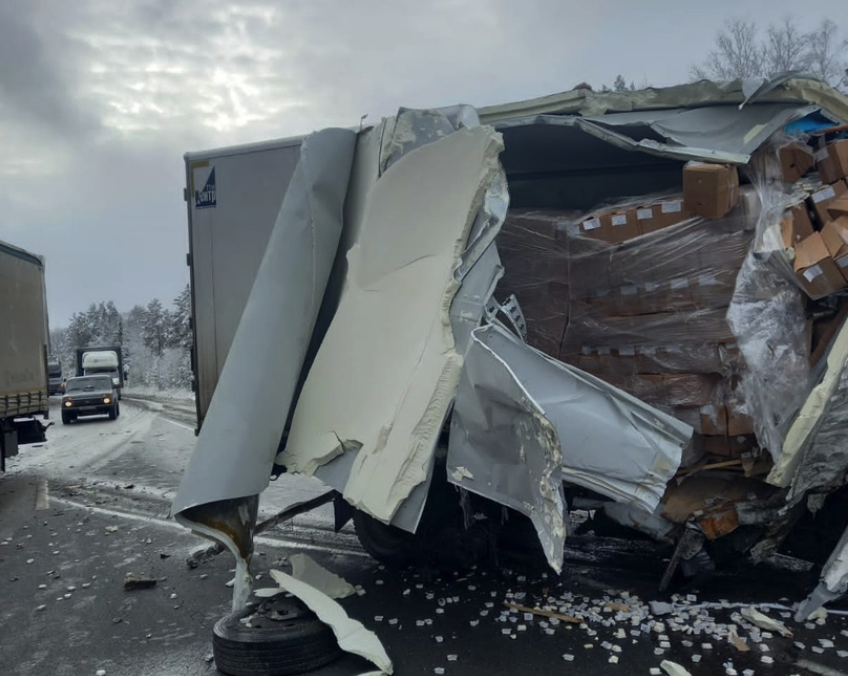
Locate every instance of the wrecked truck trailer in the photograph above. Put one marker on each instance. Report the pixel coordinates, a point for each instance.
(627, 303)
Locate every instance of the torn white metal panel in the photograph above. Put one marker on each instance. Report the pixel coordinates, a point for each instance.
(385, 375)
(833, 583)
(815, 451)
(352, 636)
(309, 572)
(502, 446)
(518, 412)
(610, 442)
(236, 446)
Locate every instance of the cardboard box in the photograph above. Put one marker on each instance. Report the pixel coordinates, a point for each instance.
(832, 161)
(822, 198)
(710, 190)
(796, 225)
(796, 160)
(727, 447)
(659, 215)
(619, 225)
(713, 420)
(815, 270)
(838, 209)
(738, 423)
(593, 227)
(835, 238)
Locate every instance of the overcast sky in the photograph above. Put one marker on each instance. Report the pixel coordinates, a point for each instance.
(99, 99)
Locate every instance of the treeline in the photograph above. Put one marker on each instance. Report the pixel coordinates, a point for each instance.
(155, 340)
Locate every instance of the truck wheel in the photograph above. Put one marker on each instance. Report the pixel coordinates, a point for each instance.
(388, 544)
(66, 418)
(113, 412)
(282, 637)
(118, 410)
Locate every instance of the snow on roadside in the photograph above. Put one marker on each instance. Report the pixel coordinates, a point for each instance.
(152, 392)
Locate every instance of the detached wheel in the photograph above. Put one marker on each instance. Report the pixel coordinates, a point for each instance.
(277, 638)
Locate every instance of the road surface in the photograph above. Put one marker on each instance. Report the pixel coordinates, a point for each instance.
(81, 511)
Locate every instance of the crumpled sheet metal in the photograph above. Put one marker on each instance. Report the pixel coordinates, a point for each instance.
(391, 333)
(523, 423)
(694, 95)
(711, 134)
(235, 450)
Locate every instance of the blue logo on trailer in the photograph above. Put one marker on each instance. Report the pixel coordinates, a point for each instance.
(206, 197)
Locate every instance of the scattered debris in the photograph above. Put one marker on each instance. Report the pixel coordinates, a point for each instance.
(544, 613)
(133, 581)
(765, 622)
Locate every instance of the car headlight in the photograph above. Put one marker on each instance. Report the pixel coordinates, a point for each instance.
(69, 402)
(107, 400)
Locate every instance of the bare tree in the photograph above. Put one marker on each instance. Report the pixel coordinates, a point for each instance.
(742, 51)
(738, 53)
(826, 52)
(786, 47)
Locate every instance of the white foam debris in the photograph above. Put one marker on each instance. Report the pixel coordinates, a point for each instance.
(767, 659)
(452, 658)
(568, 657)
(673, 668)
(613, 659)
(842, 653)
(817, 650)
(825, 643)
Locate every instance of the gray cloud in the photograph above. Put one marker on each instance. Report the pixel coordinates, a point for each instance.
(105, 97)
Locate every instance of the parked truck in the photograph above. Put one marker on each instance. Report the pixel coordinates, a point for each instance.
(54, 373)
(621, 303)
(94, 361)
(24, 392)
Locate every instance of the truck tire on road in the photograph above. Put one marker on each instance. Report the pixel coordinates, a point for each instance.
(284, 638)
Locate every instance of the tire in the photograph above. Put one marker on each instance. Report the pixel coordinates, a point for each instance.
(113, 412)
(285, 638)
(118, 410)
(66, 418)
(387, 544)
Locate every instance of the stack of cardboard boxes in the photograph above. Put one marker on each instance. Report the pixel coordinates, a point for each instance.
(637, 292)
(817, 228)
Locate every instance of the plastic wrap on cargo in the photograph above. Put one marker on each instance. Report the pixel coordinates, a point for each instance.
(767, 316)
(535, 262)
(660, 298)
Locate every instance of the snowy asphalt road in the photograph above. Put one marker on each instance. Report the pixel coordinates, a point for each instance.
(78, 513)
